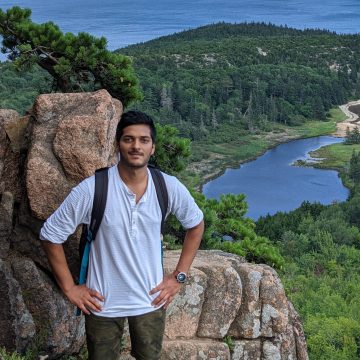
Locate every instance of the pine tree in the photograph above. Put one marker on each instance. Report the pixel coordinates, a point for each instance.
(354, 170)
(214, 122)
(248, 115)
(76, 62)
(352, 136)
(165, 97)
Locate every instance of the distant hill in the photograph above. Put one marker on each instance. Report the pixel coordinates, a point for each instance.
(250, 74)
(224, 30)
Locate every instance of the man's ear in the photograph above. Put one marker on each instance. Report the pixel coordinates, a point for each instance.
(153, 149)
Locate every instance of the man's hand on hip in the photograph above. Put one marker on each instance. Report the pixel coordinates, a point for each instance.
(168, 288)
(84, 298)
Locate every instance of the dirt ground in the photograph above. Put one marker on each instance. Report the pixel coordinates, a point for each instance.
(352, 121)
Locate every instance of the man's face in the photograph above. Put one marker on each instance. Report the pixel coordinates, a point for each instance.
(136, 146)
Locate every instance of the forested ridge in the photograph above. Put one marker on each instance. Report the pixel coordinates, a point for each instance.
(248, 75)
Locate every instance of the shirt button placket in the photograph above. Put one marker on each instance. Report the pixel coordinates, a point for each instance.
(133, 214)
(134, 220)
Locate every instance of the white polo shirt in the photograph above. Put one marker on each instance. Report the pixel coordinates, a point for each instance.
(125, 259)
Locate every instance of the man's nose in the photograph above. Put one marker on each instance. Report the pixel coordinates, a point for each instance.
(136, 144)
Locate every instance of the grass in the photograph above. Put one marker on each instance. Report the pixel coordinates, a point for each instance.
(246, 146)
(317, 128)
(335, 156)
(4, 355)
(30, 355)
(229, 341)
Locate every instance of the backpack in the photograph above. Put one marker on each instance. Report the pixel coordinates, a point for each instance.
(101, 190)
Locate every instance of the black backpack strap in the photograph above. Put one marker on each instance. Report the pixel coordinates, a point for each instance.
(161, 192)
(99, 203)
(97, 213)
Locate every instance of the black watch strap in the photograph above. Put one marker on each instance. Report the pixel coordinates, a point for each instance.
(180, 276)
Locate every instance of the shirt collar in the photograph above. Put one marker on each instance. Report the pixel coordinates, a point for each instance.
(129, 192)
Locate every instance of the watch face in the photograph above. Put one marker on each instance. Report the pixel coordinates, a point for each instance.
(181, 277)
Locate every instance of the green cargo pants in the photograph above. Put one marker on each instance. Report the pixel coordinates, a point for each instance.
(103, 336)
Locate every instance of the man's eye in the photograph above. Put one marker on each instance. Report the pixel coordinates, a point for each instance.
(127, 140)
(145, 141)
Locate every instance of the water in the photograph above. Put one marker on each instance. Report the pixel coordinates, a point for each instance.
(127, 22)
(272, 184)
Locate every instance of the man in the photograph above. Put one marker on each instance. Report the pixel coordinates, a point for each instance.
(125, 275)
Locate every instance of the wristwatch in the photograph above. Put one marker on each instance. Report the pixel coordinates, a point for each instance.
(180, 276)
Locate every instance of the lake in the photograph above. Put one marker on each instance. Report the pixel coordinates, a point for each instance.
(272, 184)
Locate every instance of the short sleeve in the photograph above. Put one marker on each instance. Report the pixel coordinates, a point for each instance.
(182, 204)
(74, 210)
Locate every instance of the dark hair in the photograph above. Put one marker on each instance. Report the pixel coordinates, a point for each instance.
(135, 117)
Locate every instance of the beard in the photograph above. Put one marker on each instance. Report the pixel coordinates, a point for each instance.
(127, 160)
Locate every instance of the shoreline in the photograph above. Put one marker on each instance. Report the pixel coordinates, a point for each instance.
(352, 121)
(236, 164)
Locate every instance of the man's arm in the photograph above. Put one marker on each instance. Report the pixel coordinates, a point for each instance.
(169, 287)
(81, 296)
